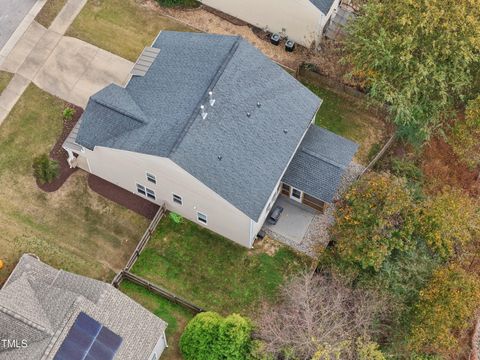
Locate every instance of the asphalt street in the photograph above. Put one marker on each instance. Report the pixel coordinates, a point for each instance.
(12, 13)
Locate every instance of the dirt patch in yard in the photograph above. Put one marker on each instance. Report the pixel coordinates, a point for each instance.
(122, 197)
(212, 22)
(442, 168)
(59, 154)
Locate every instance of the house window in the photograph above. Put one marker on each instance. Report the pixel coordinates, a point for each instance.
(151, 194)
(151, 178)
(296, 194)
(202, 217)
(177, 199)
(141, 190)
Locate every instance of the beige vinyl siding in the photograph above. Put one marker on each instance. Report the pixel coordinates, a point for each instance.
(302, 21)
(127, 169)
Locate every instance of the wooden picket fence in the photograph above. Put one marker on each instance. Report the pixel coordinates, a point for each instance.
(126, 274)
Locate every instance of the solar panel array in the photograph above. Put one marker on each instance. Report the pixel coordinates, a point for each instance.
(89, 340)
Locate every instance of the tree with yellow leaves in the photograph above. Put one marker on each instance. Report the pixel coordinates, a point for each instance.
(445, 312)
(375, 217)
(450, 222)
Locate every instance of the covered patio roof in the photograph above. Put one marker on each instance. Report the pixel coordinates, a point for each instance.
(319, 163)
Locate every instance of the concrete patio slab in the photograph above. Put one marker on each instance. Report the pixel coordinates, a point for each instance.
(76, 70)
(294, 221)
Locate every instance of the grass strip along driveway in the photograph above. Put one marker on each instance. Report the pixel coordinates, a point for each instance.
(122, 27)
(49, 12)
(73, 228)
(213, 272)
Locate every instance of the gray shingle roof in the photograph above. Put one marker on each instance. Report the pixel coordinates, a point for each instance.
(39, 304)
(169, 96)
(323, 5)
(319, 163)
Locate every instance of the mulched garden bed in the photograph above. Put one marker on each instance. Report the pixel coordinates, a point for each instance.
(59, 154)
(123, 197)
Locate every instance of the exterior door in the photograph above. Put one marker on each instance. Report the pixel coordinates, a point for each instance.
(296, 194)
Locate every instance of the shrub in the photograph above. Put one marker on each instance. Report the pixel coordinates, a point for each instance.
(176, 218)
(45, 169)
(209, 336)
(68, 113)
(375, 217)
(179, 3)
(374, 150)
(406, 168)
(369, 350)
(445, 312)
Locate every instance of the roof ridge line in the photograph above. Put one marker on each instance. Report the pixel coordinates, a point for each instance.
(121, 111)
(210, 86)
(24, 320)
(324, 158)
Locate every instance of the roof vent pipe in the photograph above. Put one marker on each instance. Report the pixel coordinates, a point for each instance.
(203, 112)
(212, 100)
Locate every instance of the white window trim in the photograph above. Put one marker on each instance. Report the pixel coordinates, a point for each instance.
(137, 185)
(150, 194)
(201, 221)
(149, 175)
(146, 190)
(178, 196)
(292, 189)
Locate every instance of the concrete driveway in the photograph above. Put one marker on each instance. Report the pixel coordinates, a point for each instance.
(75, 70)
(12, 12)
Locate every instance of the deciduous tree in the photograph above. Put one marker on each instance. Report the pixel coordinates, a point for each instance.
(321, 318)
(419, 57)
(445, 312)
(450, 222)
(375, 217)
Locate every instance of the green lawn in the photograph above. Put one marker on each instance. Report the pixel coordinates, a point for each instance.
(72, 228)
(348, 116)
(5, 78)
(49, 12)
(123, 27)
(175, 315)
(214, 272)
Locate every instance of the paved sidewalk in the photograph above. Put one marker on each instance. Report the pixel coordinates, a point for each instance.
(11, 94)
(66, 16)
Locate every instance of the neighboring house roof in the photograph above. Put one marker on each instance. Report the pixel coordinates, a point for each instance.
(39, 304)
(323, 5)
(239, 157)
(319, 163)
